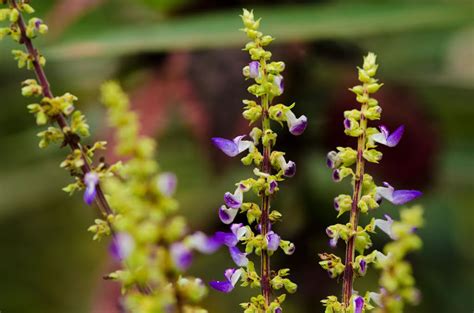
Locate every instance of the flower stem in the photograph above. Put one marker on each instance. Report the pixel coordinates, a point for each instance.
(264, 219)
(354, 218)
(60, 119)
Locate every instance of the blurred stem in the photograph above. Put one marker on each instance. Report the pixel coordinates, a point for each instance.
(354, 218)
(60, 119)
(264, 220)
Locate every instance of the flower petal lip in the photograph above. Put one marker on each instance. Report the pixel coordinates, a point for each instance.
(222, 286)
(232, 200)
(225, 145)
(254, 67)
(299, 127)
(181, 255)
(273, 241)
(228, 239)
(227, 215)
(394, 138)
(239, 258)
(404, 196)
(290, 169)
(232, 276)
(89, 195)
(204, 244)
(358, 304)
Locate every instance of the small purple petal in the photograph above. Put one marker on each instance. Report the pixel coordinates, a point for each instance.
(278, 81)
(358, 304)
(227, 215)
(299, 126)
(232, 200)
(404, 196)
(395, 137)
(333, 242)
(254, 67)
(121, 246)
(278, 310)
(332, 159)
(273, 241)
(239, 258)
(273, 186)
(335, 175)
(347, 123)
(225, 145)
(204, 244)
(181, 255)
(336, 204)
(363, 266)
(167, 183)
(91, 180)
(222, 286)
(290, 169)
(89, 194)
(228, 239)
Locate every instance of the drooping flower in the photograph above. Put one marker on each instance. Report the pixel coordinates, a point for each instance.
(232, 147)
(91, 179)
(332, 160)
(239, 258)
(234, 200)
(167, 183)
(279, 83)
(387, 139)
(227, 215)
(238, 231)
(385, 225)
(296, 126)
(232, 276)
(202, 243)
(358, 304)
(181, 256)
(272, 240)
(121, 246)
(289, 168)
(397, 197)
(254, 69)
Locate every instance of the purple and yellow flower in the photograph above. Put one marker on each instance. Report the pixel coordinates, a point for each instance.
(288, 168)
(385, 138)
(232, 147)
(232, 276)
(397, 197)
(296, 126)
(254, 69)
(358, 304)
(121, 246)
(91, 180)
(167, 183)
(181, 256)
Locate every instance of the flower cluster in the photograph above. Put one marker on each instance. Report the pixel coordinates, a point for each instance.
(396, 281)
(151, 240)
(270, 169)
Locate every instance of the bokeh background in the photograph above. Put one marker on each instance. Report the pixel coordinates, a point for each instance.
(180, 60)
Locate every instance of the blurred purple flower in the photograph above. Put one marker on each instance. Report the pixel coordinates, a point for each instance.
(121, 246)
(181, 255)
(167, 183)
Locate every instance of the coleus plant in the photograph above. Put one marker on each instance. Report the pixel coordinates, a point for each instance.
(270, 169)
(396, 281)
(149, 239)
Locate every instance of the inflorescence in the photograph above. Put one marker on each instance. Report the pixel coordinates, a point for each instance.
(270, 169)
(396, 280)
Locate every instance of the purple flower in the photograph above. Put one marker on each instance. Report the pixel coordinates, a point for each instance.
(336, 175)
(272, 240)
(181, 256)
(347, 123)
(289, 168)
(121, 246)
(358, 304)
(385, 138)
(254, 69)
(91, 180)
(278, 310)
(385, 225)
(227, 215)
(278, 81)
(167, 183)
(232, 276)
(232, 147)
(238, 231)
(363, 266)
(397, 197)
(332, 160)
(202, 243)
(234, 200)
(240, 258)
(296, 125)
(273, 186)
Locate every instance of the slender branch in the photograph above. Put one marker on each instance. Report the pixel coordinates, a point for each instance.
(60, 119)
(264, 220)
(354, 218)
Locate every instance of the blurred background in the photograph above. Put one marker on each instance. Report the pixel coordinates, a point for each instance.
(180, 61)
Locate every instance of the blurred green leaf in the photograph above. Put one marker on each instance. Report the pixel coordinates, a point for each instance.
(287, 23)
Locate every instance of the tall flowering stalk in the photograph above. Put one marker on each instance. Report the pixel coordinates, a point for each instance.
(151, 240)
(271, 168)
(367, 196)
